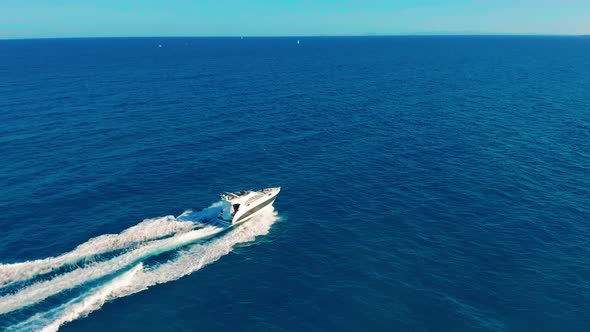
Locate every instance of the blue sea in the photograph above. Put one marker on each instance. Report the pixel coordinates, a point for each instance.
(429, 183)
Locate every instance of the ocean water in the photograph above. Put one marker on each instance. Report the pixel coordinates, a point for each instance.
(428, 184)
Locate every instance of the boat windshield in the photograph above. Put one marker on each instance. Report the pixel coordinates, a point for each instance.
(235, 208)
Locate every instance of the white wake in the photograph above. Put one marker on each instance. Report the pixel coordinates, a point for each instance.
(144, 231)
(136, 279)
(41, 290)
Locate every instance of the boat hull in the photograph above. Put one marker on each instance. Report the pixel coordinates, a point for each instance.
(252, 208)
(253, 212)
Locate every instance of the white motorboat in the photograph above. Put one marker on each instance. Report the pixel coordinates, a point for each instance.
(240, 206)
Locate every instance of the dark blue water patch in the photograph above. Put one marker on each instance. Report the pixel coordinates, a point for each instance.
(428, 182)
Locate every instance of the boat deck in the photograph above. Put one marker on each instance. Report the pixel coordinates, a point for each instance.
(253, 198)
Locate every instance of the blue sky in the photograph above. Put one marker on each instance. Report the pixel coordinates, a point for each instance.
(102, 18)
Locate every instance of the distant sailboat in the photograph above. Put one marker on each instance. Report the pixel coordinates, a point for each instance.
(297, 41)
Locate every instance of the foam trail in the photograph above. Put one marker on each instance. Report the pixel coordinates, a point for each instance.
(206, 214)
(97, 299)
(140, 279)
(80, 306)
(144, 231)
(41, 290)
(202, 254)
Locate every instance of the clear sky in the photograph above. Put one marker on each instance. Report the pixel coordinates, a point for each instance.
(84, 18)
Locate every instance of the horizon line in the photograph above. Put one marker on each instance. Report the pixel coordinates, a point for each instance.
(418, 34)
